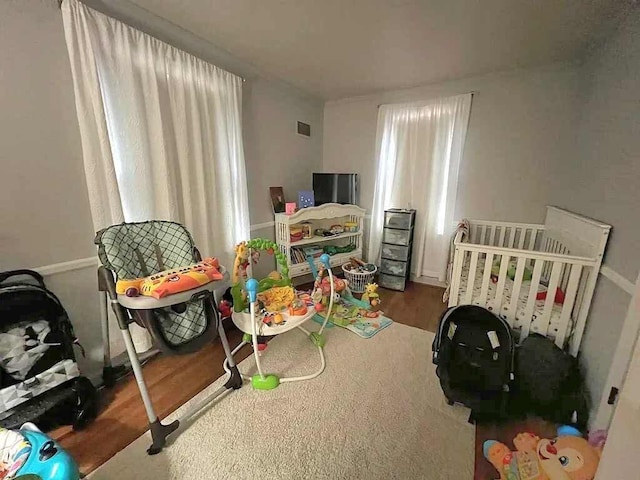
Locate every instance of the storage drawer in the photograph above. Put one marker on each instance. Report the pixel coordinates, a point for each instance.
(393, 267)
(397, 237)
(397, 219)
(395, 252)
(391, 282)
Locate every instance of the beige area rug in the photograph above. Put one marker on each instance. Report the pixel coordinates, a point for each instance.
(377, 412)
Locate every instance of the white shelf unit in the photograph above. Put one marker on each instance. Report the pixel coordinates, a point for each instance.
(320, 217)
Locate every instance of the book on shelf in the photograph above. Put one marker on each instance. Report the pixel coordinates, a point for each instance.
(297, 256)
(313, 251)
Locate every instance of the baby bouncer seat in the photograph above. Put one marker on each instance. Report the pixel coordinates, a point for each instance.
(179, 323)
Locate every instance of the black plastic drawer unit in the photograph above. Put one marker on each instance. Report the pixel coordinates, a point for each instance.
(397, 242)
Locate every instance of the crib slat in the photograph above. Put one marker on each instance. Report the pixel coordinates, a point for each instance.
(483, 235)
(486, 277)
(458, 261)
(532, 239)
(569, 300)
(503, 231)
(472, 278)
(543, 322)
(523, 233)
(515, 292)
(512, 237)
(546, 271)
(531, 301)
(502, 278)
(492, 237)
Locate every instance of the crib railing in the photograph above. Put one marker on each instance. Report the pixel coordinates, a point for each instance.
(524, 236)
(550, 266)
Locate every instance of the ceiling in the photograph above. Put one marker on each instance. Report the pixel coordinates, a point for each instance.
(342, 48)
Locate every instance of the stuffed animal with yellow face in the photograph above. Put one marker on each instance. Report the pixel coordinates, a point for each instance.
(566, 457)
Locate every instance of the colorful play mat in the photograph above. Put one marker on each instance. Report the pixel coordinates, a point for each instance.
(357, 316)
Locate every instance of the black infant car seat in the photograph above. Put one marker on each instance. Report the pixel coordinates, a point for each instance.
(474, 353)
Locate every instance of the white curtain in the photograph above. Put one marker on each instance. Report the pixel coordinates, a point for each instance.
(418, 149)
(161, 132)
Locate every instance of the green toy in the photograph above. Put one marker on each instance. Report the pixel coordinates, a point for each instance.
(240, 302)
(334, 249)
(511, 270)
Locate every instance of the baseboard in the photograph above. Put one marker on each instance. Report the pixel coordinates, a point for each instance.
(260, 226)
(67, 266)
(618, 279)
(434, 282)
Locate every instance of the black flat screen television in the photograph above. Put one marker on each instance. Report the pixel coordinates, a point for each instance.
(335, 188)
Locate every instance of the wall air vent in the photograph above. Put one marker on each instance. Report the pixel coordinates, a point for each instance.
(304, 129)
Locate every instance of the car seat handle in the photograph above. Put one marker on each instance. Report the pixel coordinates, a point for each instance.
(4, 276)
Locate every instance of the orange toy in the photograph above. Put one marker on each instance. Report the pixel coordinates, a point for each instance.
(165, 283)
(566, 457)
(339, 285)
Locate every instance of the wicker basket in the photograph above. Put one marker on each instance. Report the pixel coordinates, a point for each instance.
(357, 280)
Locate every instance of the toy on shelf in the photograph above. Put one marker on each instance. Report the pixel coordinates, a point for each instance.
(296, 233)
(307, 230)
(371, 294)
(290, 208)
(271, 306)
(566, 457)
(350, 227)
(171, 281)
(29, 453)
(336, 229)
(306, 199)
(334, 249)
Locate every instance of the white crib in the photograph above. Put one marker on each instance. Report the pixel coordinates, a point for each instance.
(566, 253)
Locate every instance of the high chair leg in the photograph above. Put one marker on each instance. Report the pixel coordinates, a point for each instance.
(159, 431)
(235, 379)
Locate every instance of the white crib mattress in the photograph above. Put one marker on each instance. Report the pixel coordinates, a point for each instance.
(507, 294)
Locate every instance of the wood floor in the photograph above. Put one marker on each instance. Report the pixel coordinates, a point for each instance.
(505, 433)
(172, 381)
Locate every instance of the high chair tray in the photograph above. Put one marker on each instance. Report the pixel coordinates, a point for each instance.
(142, 302)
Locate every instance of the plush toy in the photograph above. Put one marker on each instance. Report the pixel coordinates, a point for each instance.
(371, 294)
(566, 457)
(511, 271)
(240, 262)
(559, 298)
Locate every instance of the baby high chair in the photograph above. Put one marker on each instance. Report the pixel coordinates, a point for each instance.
(179, 323)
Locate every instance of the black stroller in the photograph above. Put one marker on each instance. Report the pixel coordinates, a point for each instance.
(474, 353)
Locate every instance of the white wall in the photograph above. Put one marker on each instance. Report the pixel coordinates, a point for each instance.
(519, 128)
(45, 211)
(601, 179)
(275, 154)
